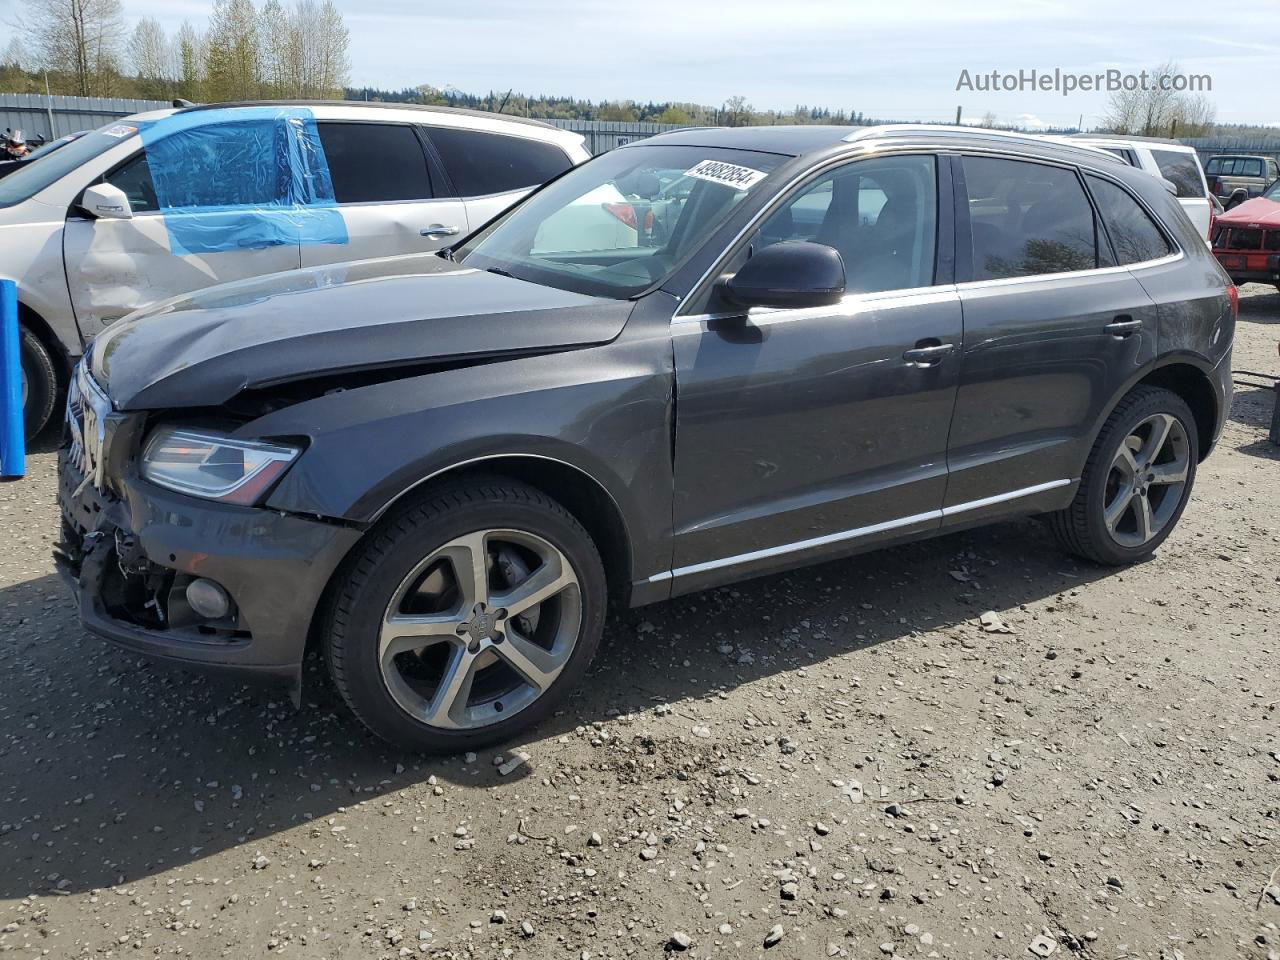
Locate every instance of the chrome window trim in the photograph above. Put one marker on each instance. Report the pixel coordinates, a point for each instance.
(854, 534)
(1069, 274)
(872, 148)
(851, 302)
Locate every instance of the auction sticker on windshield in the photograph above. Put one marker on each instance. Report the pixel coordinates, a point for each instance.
(120, 130)
(726, 174)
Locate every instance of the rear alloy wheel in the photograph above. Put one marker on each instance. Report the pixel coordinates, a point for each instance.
(478, 635)
(1136, 482)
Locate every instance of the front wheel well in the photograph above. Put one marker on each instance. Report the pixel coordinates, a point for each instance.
(1193, 386)
(44, 333)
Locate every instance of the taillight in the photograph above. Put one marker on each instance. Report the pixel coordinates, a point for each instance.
(1215, 186)
(1233, 297)
(624, 212)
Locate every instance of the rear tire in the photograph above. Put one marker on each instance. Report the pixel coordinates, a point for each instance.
(435, 651)
(40, 382)
(1136, 482)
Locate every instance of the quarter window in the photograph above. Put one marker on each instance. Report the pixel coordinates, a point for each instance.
(882, 215)
(481, 163)
(375, 162)
(1133, 234)
(1028, 219)
(1181, 170)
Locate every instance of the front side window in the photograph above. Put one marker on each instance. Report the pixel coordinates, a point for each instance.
(243, 164)
(1181, 170)
(375, 162)
(134, 178)
(881, 215)
(1028, 219)
(622, 222)
(481, 163)
(1133, 234)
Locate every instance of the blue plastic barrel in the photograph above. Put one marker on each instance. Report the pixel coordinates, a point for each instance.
(13, 444)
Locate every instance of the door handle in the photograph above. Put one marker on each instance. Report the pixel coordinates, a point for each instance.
(438, 230)
(1123, 326)
(928, 353)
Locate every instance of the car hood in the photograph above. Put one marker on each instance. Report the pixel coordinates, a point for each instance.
(1256, 212)
(204, 348)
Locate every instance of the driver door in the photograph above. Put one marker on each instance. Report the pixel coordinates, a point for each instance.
(815, 430)
(117, 266)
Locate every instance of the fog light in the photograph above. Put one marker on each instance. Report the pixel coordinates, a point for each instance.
(208, 599)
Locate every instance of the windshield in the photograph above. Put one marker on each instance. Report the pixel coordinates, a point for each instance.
(1273, 192)
(57, 163)
(622, 222)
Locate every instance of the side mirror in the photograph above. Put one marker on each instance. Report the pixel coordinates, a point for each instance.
(106, 202)
(793, 273)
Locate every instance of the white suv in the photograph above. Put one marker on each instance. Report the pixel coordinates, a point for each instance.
(162, 203)
(1175, 162)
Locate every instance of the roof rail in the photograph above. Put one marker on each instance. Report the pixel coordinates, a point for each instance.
(892, 129)
(374, 105)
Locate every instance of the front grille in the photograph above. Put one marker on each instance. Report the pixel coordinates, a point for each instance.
(87, 410)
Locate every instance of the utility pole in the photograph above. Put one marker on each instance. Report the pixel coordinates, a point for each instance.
(957, 116)
(48, 103)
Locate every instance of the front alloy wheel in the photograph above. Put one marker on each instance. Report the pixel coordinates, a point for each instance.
(465, 616)
(480, 629)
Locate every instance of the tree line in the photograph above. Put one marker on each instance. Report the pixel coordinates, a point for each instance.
(244, 52)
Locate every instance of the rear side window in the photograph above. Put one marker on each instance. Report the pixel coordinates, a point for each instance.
(1134, 235)
(375, 162)
(1028, 219)
(1181, 170)
(1125, 155)
(483, 163)
(1250, 168)
(1214, 165)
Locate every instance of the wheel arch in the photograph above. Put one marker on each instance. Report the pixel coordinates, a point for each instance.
(575, 489)
(1193, 385)
(1187, 375)
(30, 318)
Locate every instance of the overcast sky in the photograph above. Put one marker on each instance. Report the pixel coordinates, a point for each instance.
(886, 59)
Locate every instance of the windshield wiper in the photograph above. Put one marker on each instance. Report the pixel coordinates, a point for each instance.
(500, 272)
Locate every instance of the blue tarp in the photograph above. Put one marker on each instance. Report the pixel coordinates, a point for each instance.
(243, 177)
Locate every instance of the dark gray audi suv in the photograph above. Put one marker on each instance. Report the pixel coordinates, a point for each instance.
(699, 358)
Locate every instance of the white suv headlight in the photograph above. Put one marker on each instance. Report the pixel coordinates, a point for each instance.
(212, 465)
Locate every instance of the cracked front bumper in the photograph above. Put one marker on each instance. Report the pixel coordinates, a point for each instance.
(275, 566)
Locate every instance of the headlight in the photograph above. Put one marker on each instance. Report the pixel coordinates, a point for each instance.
(210, 465)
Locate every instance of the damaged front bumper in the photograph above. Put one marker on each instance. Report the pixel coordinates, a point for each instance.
(129, 554)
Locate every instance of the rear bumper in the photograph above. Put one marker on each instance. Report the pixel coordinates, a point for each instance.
(1250, 267)
(274, 566)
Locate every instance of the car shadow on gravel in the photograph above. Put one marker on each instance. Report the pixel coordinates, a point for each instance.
(115, 769)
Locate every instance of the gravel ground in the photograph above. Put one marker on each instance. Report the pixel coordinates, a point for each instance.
(837, 762)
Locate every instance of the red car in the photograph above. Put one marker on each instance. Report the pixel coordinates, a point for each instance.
(1246, 239)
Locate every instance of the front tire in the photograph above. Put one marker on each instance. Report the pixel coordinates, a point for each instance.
(39, 382)
(466, 617)
(1136, 482)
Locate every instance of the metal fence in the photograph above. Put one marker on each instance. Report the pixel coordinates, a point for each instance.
(38, 116)
(1207, 147)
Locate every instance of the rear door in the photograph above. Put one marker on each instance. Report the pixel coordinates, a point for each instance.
(116, 266)
(491, 171)
(1053, 327)
(392, 197)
